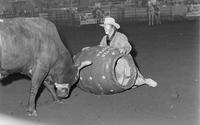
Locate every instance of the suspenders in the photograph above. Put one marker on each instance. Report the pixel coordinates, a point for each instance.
(109, 40)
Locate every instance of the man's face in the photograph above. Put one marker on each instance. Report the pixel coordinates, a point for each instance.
(107, 28)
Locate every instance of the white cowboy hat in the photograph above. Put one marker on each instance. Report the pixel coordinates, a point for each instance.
(110, 21)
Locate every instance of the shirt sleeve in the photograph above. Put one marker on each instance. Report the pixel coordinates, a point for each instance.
(103, 41)
(124, 44)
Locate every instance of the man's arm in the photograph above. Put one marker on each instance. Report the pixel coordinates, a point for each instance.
(125, 46)
(103, 41)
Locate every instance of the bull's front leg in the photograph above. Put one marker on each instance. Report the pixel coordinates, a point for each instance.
(38, 77)
(49, 84)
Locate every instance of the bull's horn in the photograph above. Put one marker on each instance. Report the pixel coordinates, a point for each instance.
(84, 64)
(79, 67)
(85, 48)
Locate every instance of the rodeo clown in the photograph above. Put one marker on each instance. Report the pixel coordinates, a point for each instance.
(118, 40)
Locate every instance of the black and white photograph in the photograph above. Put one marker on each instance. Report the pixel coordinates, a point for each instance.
(99, 62)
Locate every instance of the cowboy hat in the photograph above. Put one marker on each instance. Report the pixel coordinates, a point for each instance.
(110, 21)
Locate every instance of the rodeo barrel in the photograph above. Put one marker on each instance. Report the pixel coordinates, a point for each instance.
(111, 72)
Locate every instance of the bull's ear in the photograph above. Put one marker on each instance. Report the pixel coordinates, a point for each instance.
(84, 64)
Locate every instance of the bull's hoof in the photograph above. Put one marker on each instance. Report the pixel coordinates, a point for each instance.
(32, 113)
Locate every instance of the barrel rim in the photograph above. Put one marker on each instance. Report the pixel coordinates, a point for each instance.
(133, 77)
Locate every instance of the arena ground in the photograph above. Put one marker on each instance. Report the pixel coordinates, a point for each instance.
(168, 53)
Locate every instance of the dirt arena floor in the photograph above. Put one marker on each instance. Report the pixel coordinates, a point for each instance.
(167, 53)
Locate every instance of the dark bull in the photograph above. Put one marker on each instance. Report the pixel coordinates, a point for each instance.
(32, 46)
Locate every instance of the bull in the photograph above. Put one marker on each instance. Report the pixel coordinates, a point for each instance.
(32, 46)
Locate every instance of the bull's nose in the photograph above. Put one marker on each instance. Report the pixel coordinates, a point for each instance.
(63, 93)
